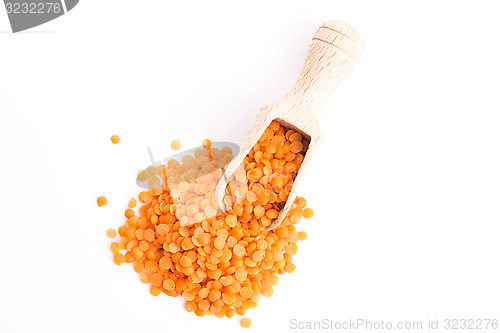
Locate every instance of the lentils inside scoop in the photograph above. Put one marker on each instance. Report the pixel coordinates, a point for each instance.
(222, 264)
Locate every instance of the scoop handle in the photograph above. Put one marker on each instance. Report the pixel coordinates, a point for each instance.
(335, 49)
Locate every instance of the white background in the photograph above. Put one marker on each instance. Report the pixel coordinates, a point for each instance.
(406, 190)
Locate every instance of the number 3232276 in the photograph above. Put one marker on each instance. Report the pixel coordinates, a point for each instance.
(33, 8)
(470, 324)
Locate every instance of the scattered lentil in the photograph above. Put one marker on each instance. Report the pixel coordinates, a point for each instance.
(115, 139)
(245, 322)
(176, 145)
(111, 233)
(132, 203)
(308, 213)
(102, 201)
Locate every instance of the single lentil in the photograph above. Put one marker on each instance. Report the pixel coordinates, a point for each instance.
(102, 201)
(308, 213)
(115, 139)
(176, 144)
(245, 322)
(111, 233)
(132, 203)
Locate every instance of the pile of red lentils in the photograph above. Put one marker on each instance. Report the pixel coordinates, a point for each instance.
(220, 265)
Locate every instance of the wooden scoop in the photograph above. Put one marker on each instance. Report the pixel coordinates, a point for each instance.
(335, 49)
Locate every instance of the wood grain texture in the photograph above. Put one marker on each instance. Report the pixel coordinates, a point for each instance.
(335, 49)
